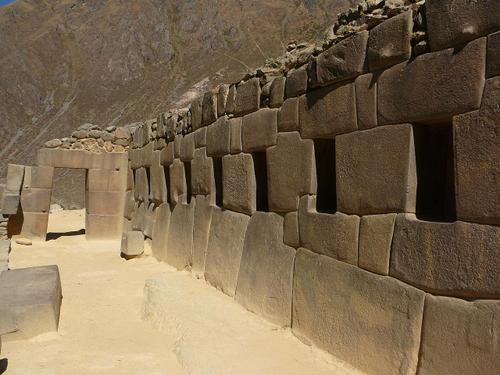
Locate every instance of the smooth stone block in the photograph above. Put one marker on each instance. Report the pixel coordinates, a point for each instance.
(247, 97)
(180, 236)
(202, 221)
(160, 232)
(288, 116)
(238, 184)
(259, 130)
(132, 244)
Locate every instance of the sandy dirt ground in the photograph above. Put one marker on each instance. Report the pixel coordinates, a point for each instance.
(186, 326)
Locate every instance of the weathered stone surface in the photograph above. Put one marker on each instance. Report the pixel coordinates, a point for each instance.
(15, 176)
(291, 171)
(342, 61)
(158, 189)
(167, 154)
(296, 82)
(187, 147)
(160, 232)
(38, 177)
(141, 185)
(4, 255)
(200, 138)
(103, 227)
(104, 180)
(222, 94)
(239, 186)
(259, 129)
(129, 206)
(178, 187)
(196, 112)
(235, 130)
(225, 246)
(329, 111)
(247, 97)
(180, 236)
(371, 322)
(209, 108)
(103, 202)
(138, 215)
(202, 173)
(219, 138)
(231, 100)
(335, 235)
(477, 155)
(457, 259)
(10, 203)
(288, 116)
(266, 270)
(177, 146)
(291, 229)
(132, 244)
(376, 171)
(277, 92)
(473, 330)
(366, 101)
(389, 42)
(375, 239)
(30, 301)
(493, 55)
(36, 200)
(149, 220)
(35, 225)
(452, 23)
(446, 83)
(202, 220)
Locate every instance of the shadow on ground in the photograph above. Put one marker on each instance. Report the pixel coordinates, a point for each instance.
(3, 365)
(55, 235)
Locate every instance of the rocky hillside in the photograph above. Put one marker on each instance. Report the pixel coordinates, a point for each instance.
(67, 62)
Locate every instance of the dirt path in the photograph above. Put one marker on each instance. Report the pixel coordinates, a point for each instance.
(101, 330)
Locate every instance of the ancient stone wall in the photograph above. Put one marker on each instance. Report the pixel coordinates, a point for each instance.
(352, 195)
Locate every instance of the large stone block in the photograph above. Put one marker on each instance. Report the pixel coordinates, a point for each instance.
(149, 220)
(30, 301)
(288, 117)
(477, 159)
(291, 229)
(259, 129)
(456, 259)
(335, 235)
(238, 184)
(158, 191)
(141, 185)
(493, 55)
(62, 158)
(231, 100)
(202, 219)
(202, 173)
(167, 154)
(277, 92)
(35, 224)
(376, 171)
(38, 177)
(344, 60)
(196, 112)
(389, 42)
(15, 176)
(375, 239)
(178, 187)
(219, 137)
(266, 270)
(200, 137)
(4, 255)
(180, 236)
(446, 83)
(371, 322)
(103, 227)
(222, 94)
(132, 244)
(10, 203)
(247, 97)
(106, 180)
(452, 23)
(472, 329)
(104, 202)
(296, 82)
(129, 206)
(366, 101)
(187, 147)
(209, 108)
(224, 250)
(235, 130)
(160, 232)
(329, 111)
(36, 200)
(291, 171)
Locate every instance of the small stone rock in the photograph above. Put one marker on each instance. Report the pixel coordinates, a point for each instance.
(95, 133)
(53, 143)
(80, 134)
(89, 127)
(108, 146)
(24, 241)
(111, 128)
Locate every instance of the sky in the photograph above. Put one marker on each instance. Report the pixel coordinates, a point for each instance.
(5, 2)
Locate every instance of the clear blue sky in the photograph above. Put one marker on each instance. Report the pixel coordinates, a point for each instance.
(5, 2)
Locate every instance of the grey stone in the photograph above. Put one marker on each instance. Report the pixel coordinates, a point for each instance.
(277, 92)
(493, 55)
(247, 97)
(259, 130)
(180, 236)
(239, 186)
(366, 101)
(132, 244)
(296, 82)
(288, 117)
